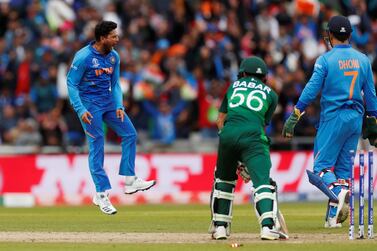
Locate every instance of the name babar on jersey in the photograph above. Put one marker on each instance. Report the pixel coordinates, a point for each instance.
(252, 84)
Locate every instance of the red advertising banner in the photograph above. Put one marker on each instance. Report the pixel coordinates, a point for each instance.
(181, 178)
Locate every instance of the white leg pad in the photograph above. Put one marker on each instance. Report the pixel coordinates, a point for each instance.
(218, 194)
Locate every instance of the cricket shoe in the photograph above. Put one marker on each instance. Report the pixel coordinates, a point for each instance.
(220, 233)
(102, 201)
(332, 223)
(272, 234)
(138, 185)
(343, 206)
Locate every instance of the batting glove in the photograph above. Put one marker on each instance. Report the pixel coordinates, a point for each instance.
(242, 171)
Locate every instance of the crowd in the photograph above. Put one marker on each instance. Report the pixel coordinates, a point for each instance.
(177, 59)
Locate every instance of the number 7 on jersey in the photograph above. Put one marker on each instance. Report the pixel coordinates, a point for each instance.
(354, 75)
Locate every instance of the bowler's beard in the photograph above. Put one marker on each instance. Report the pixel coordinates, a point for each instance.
(107, 49)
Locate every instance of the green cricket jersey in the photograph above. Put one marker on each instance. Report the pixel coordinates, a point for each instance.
(249, 103)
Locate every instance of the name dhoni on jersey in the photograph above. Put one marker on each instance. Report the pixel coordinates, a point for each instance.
(252, 85)
(348, 64)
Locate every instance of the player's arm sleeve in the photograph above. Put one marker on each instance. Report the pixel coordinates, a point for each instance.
(314, 86)
(271, 109)
(224, 105)
(221, 120)
(370, 93)
(115, 84)
(74, 76)
(223, 110)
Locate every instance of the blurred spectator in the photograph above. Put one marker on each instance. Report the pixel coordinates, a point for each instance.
(164, 119)
(209, 99)
(266, 22)
(360, 22)
(26, 133)
(8, 122)
(52, 128)
(24, 74)
(59, 13)
(74, 135)
(44, 95)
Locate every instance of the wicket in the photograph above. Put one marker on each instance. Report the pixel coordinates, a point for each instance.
(361, 196)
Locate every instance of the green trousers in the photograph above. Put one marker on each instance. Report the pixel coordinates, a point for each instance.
(253, 150)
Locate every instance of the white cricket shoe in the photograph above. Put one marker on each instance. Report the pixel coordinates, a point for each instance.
(219, 233)
(332, 223)
(138, 185)
(102, 201)
(272, 234)
(269, 234)
(343, 206)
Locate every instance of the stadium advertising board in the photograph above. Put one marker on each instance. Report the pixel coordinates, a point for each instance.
(181, 178)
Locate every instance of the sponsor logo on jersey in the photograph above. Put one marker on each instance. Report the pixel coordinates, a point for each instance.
(107, 70)
(112, 60)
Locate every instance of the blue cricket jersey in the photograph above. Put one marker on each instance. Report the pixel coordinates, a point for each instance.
(93, 80)
(342, 74)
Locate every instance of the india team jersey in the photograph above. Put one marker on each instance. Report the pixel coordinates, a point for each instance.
(249, 103)
(344, 76)
(94, 79)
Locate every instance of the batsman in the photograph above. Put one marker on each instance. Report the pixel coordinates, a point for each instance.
(344, 77)
(245, 110)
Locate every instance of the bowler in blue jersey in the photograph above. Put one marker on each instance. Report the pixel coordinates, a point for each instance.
(344, 77)
(95, 94)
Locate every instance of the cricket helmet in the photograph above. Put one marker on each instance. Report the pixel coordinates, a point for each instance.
(253, 65)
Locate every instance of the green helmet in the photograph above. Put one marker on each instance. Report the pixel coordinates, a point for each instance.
(253, 65)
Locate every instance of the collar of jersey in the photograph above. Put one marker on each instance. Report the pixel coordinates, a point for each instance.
(92, 49)
(342, 46)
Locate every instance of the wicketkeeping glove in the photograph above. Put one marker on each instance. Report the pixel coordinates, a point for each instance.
(291, 122)
(370, 130)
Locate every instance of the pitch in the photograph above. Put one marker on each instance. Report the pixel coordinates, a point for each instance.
(163, 227)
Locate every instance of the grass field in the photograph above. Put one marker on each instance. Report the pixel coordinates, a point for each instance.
(164, 227)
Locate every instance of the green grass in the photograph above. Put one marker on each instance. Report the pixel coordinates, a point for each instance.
(187, 247)
(300, 217)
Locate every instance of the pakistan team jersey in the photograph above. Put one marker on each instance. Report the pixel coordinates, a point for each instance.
(93, 79)
(249, 104)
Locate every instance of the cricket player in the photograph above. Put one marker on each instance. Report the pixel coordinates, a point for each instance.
(344, 77)
(245, 110)
(95, 94)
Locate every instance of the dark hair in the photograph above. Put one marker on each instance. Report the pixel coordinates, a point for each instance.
(103, 29)
(261, 77)
(341, 37)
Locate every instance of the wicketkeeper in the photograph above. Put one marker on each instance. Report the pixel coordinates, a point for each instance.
(245, 110)
(344, 77)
